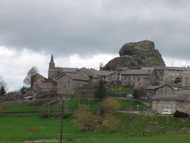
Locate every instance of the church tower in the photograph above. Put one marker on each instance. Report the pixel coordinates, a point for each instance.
(51, 68)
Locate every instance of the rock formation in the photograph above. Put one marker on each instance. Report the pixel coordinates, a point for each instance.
(136, 54)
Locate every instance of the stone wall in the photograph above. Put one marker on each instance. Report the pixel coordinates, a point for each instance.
(162, 107)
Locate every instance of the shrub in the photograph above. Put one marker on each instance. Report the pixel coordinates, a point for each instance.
(179, 114)
(45, 115)
(67, 115)
(110, 123)
(85, 119)
(110, 105)
(2, 91)
(2, 108)
(139, 93)
(100, 92)
(89, 121)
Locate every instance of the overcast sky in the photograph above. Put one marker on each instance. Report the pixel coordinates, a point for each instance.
(87, 32)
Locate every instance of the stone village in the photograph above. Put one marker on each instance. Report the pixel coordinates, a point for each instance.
(139, 65)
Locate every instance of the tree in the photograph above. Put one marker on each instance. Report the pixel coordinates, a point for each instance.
(138, 93)
(24, 89)
(110, 105)
(3, 86)
(2, 90)
(101, 90)
(101, 66)
(110, 123)
(27, 80)
(178, 80)
(86, 119)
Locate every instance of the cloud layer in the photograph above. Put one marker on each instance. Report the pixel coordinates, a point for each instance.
(94, 26)
(14, 64)
(87, 32)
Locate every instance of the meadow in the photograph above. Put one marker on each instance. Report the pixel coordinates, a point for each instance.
(19, 128)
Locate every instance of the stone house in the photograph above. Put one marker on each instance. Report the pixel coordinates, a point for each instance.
(67, 79)
(70, 79)
(185, 79)
(163, 101)
(63, 80)
(137, 77)
(177, 76)
(87, 91)
(69, 82)
(108, 76)
(171, 73)
(42, 86)
(151, 90)
(168, 100)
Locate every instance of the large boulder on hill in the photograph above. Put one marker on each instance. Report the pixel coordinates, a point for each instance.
(136, 54)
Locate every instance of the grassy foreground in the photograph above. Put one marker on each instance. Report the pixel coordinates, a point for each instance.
(18, 128)
(15, 129)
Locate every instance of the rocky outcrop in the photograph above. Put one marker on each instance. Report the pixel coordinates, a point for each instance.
(136, 54)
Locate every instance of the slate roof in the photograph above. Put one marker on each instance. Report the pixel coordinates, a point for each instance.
(183, 92)
(65, 69)
(89, 72)
(179, 95)
(179, 98)
(79, 76)
(37, 76)
(176, 68)
(137, 72)
(152, 87)
(75, 76)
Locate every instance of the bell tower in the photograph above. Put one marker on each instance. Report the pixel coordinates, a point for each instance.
(51, 68)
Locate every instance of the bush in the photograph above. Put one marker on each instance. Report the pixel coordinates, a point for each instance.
(2, 91)
(110, 123)
(110, 105)
(2, 108)
(89, 121)
(138, 93)
(179, 114)
(100, 92)
(85, 119)
(45, 115)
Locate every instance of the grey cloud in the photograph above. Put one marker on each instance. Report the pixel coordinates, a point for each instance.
(94, 26)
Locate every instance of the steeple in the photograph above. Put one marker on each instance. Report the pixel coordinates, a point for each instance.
(52, 63)
(51, 68)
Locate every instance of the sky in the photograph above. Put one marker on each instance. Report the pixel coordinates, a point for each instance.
(85, 33)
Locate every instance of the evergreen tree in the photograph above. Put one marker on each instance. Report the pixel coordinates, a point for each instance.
(2, 90)
(24, 89)
(101, 90)
(3, 87)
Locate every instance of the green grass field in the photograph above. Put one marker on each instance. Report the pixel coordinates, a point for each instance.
(71, 104)
(15, 129)
(134, 128)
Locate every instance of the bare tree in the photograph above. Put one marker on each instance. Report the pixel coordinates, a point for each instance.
(101, 66)
(27, 80)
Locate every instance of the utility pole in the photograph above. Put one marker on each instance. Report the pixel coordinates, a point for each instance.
(61, 119)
